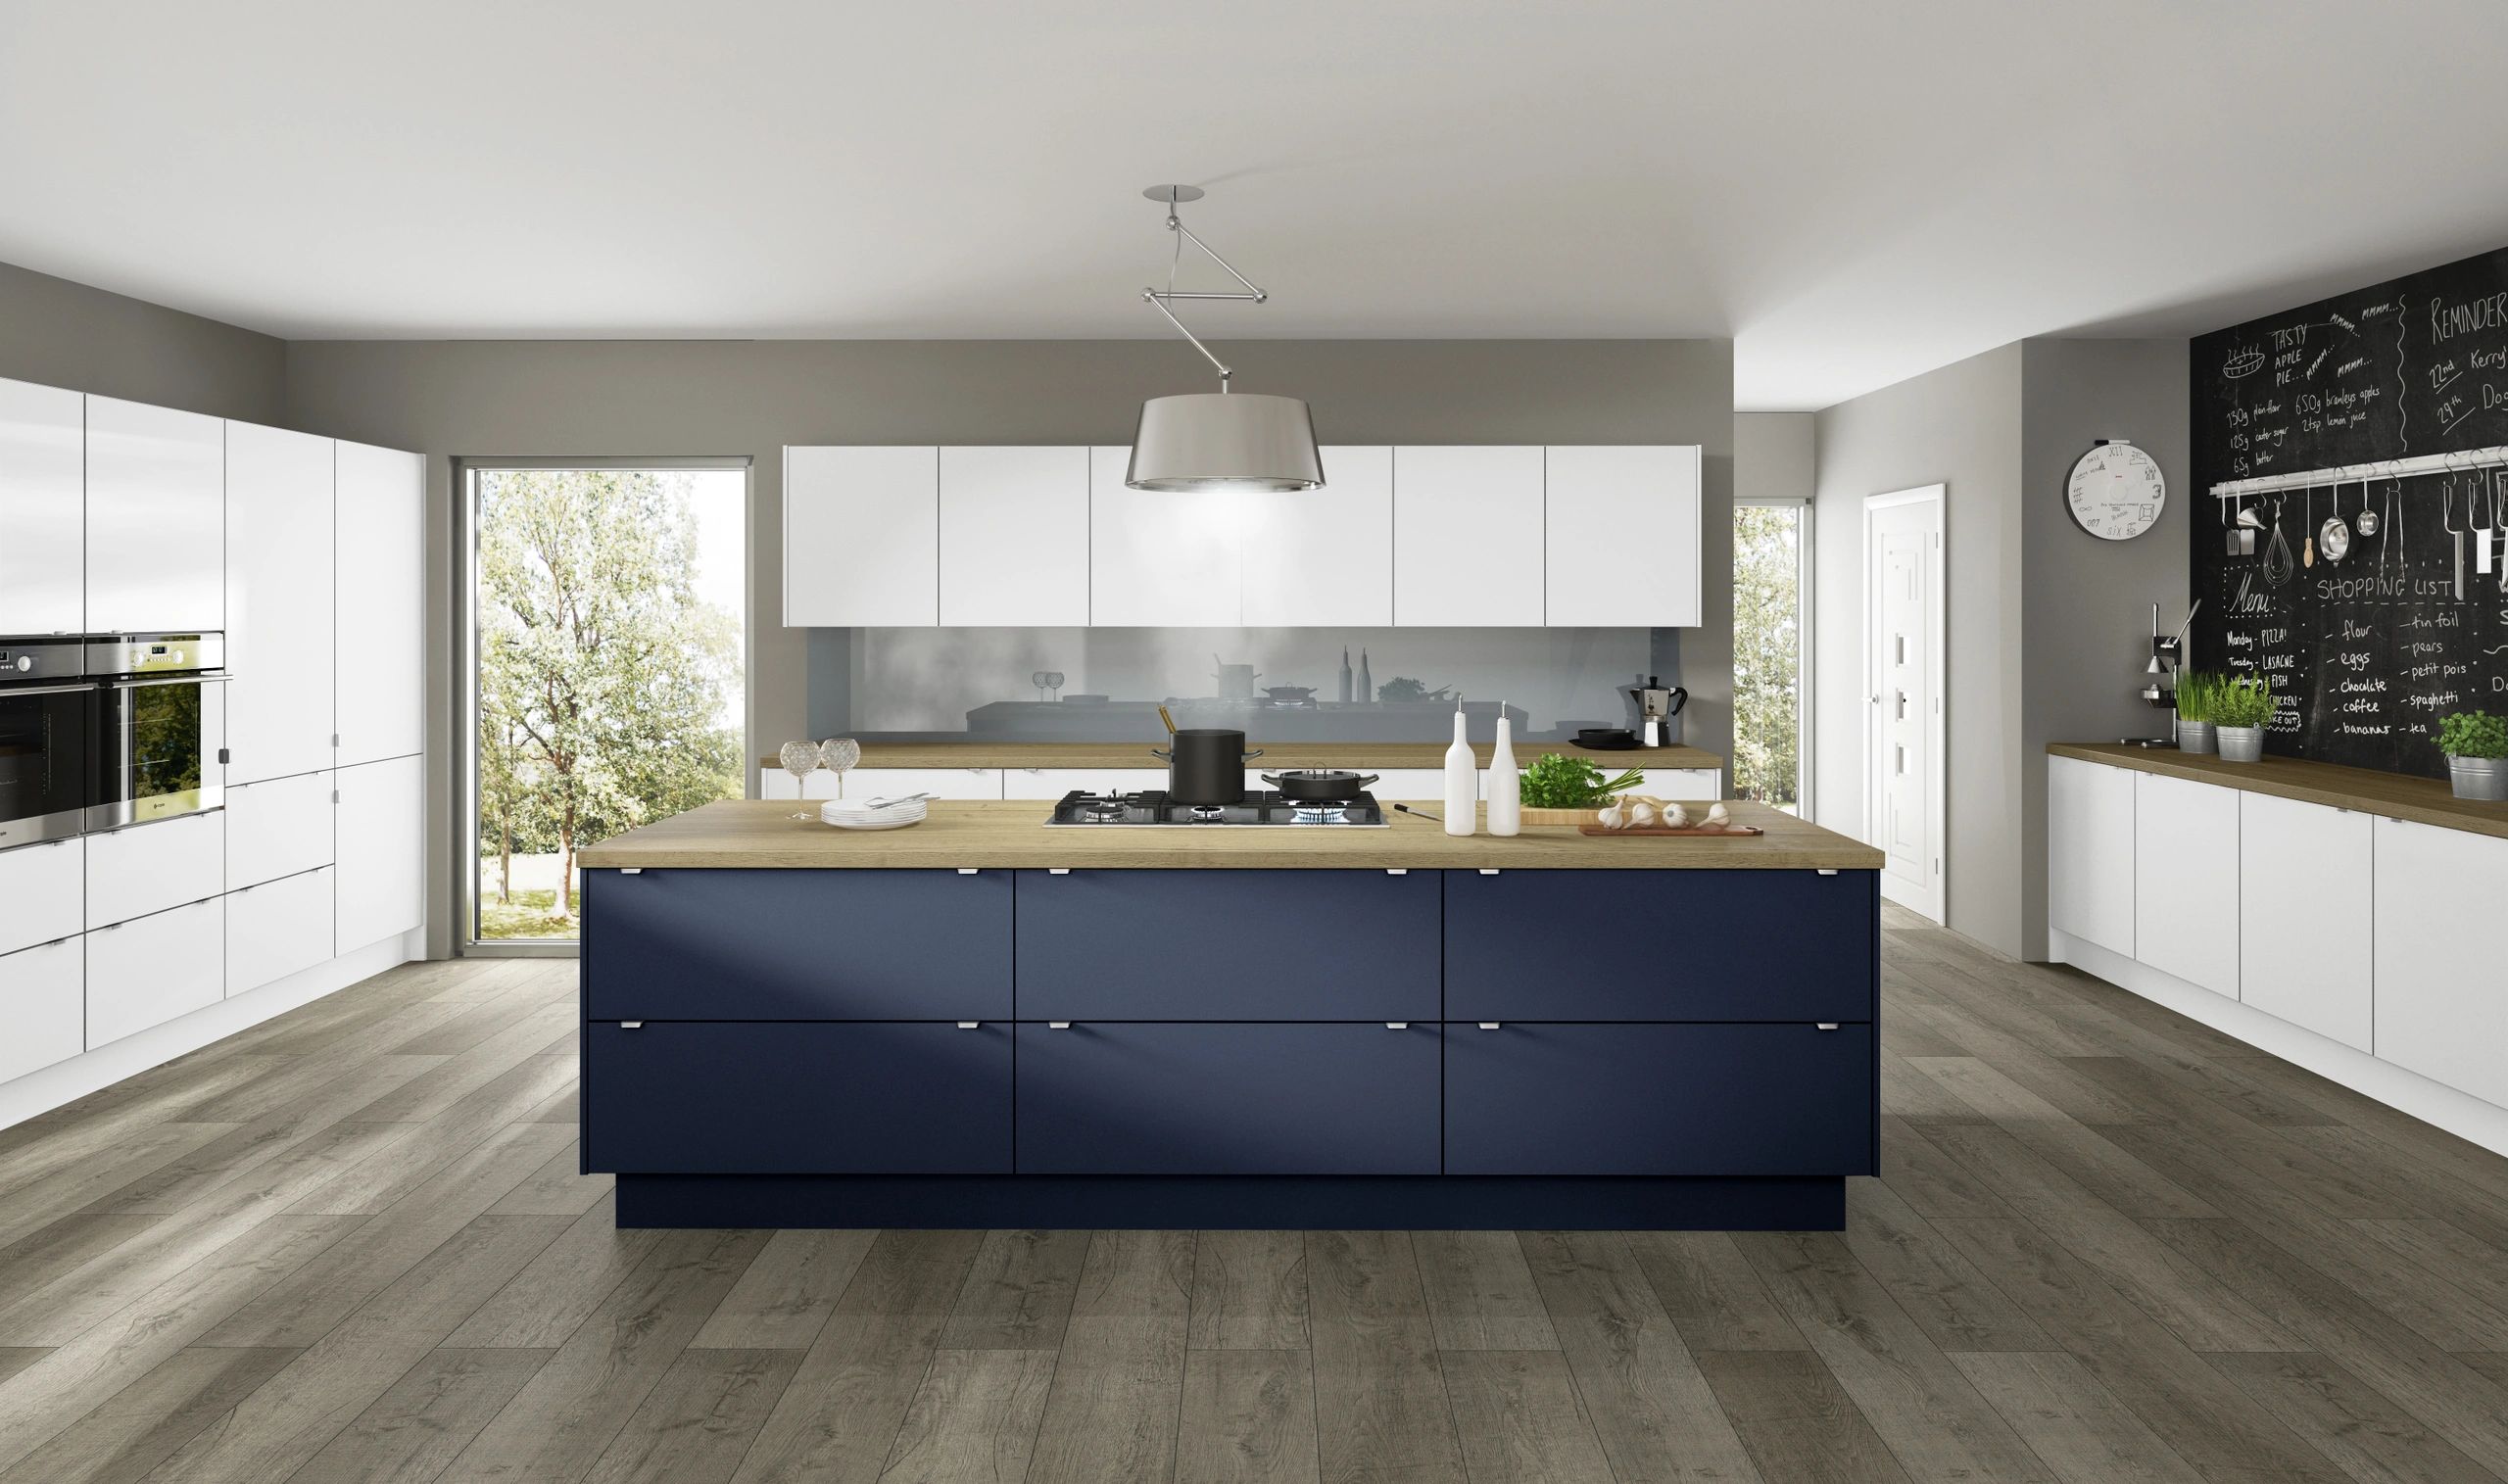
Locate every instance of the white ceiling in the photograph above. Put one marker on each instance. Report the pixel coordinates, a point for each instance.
(1855, 191)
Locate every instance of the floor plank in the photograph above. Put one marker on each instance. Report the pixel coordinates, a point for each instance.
(1019, 1295)
(1480, 1294)
(2071, 1422)
(1248, 1418)
(1381, 1404)
(1710, 1292)
(1249, 1291)
(414, 1429)
(788, 1293)
(697, 1422)
(1798, 1422)
(1111, 1415)
(141, 1426)
(1520, 1418)
(2348, 1422)
(974, 1418)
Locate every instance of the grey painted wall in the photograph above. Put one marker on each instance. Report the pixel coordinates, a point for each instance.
(450, 400)
(1774, 456)
(65, 334)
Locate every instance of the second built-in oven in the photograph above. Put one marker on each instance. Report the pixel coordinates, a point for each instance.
(161, 726)
(47, 727)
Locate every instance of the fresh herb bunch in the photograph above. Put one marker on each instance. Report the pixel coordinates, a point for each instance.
(2242, 701)
(2473, 734)
(2198, 691)
(1556, 781)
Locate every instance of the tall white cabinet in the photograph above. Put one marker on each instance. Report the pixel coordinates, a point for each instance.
(155, 558)
(43, 488)
(278, 603)
(379, 601)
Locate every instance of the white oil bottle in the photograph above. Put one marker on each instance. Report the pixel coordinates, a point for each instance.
(1462, 779)
(1505, 785)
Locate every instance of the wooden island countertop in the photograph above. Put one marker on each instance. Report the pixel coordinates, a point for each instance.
(1013, 833)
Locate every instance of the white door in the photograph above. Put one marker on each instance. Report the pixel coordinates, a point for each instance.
(1633, 513)
(278, 603)
(1904, 793)
(278, 828)
(156, 519)
(150, 970)
(278, 929)
(1466, 526)
(43, 515)
(2438, 954)
(2089, 853)
(1159, 559)
(43, 1001)
(381, 847)
(2307, 903)
(380, 607)
(45, 888)
(1014, 536)
(1054, 783)
(861, 537)
(2186, 874)
(147, 868)
(1292, 579)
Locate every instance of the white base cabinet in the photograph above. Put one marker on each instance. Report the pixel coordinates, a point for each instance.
(43, 889)
(2440, 947)
(148, 868)
(2185, 883)
(1054, 783)
(381, 826)
(2305, 928)
(277, 827)
(43, 1003)
(2090, 860)
(278, 929)
(149, 969)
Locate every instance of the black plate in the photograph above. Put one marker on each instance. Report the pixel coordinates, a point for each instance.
(1630, 745)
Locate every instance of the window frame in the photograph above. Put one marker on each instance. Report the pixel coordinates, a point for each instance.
(1807, 528)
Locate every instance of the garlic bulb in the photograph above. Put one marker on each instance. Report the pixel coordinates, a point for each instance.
(1641, 813)
(1616, 815)
(1675, 817)
(1718, 816)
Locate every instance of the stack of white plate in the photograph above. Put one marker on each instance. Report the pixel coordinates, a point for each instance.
(857, 814)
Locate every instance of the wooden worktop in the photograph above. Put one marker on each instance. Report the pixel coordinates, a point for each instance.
(2424, 800)
(757, 833)
(1301, 754)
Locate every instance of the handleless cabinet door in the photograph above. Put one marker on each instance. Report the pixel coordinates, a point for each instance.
(1159, 559)
(278, 929)
(2306, 915)
(148, 868)
(2186, 864)
(1685, 786)
(278, 828)
(379, 827)
(278, 603)
(1465, 524)
(2440, 1007)
(1014, 536)
(43, 894)
(379, 607)
(1054, 783)
(2090, 853)
(1314, 558)
(861, 537)
(1638, 499)
(156, 519)
(150, 970)
(43, 1001)
(43, 495)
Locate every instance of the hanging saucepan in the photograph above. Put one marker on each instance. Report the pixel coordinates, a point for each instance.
(1206, 765)
(1320, 786)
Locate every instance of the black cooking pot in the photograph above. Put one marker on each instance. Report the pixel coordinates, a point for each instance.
(1206, 765)
(1320, 786)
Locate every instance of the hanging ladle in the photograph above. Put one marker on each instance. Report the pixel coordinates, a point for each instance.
(2334, 537)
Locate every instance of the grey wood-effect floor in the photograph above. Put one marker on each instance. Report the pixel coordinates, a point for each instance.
(2110, 1244)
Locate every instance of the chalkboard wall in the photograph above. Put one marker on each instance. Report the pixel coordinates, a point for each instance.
(2364, 652)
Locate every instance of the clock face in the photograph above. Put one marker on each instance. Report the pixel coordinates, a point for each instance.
(2116, 492)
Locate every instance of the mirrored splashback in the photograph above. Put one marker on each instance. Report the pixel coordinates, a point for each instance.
(1284, 685)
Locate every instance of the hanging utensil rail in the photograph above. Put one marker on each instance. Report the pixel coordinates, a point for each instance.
(2389, 468)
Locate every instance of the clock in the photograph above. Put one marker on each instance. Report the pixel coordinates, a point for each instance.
(2116, 491)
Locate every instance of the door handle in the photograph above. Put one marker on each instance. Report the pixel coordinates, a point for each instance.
(1058, 1025)
(1488, 1024)
(630, 1024)
(1824, 1025)
(969, 1025)
(1397, 1025)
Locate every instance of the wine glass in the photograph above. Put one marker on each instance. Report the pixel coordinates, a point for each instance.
(839, 753)
(1053, 683)
(800, 759)
(1037, 678)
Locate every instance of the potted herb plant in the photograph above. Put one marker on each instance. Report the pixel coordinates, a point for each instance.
(2240, 705)
(2477, 746)
(2195, 692)
(1558, 789)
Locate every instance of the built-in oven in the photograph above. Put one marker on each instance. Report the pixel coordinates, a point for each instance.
(161, 726)
(47, 731)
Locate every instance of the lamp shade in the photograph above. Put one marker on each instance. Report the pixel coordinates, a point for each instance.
(1225, 441)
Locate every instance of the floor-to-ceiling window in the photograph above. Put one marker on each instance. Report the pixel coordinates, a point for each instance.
(1771, 651)
(604, 655)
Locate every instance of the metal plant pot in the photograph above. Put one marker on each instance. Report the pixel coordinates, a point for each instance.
(2241, 744)
(2480, 777)
(2194, 737)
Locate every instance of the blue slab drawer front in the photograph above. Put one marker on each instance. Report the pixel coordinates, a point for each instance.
(798, 945)
(1536, 1099)
(1660, 945)
(761, 1098)
(1240, 945)
(1111, 1098)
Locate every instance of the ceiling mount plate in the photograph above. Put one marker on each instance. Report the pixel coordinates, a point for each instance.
(1174, 195)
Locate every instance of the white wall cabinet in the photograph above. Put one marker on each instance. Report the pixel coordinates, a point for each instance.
(43, 509)
(2090, 864)
(1014, 536)
(43, 894)
(2440, 1006)
(43, 1003)
(1159, 559)
(276, 929)
(149, 969)
(380, 829)
(379, 622)
(1294, 575)
(1623, 536)
(276, 828)
(2304, 890)
(148, 868)
(279, 602)
(1465, 524)
(861, 537)
(156, 557)
(2186, 880)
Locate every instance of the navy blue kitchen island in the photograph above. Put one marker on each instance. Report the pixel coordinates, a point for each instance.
(788, 1026)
